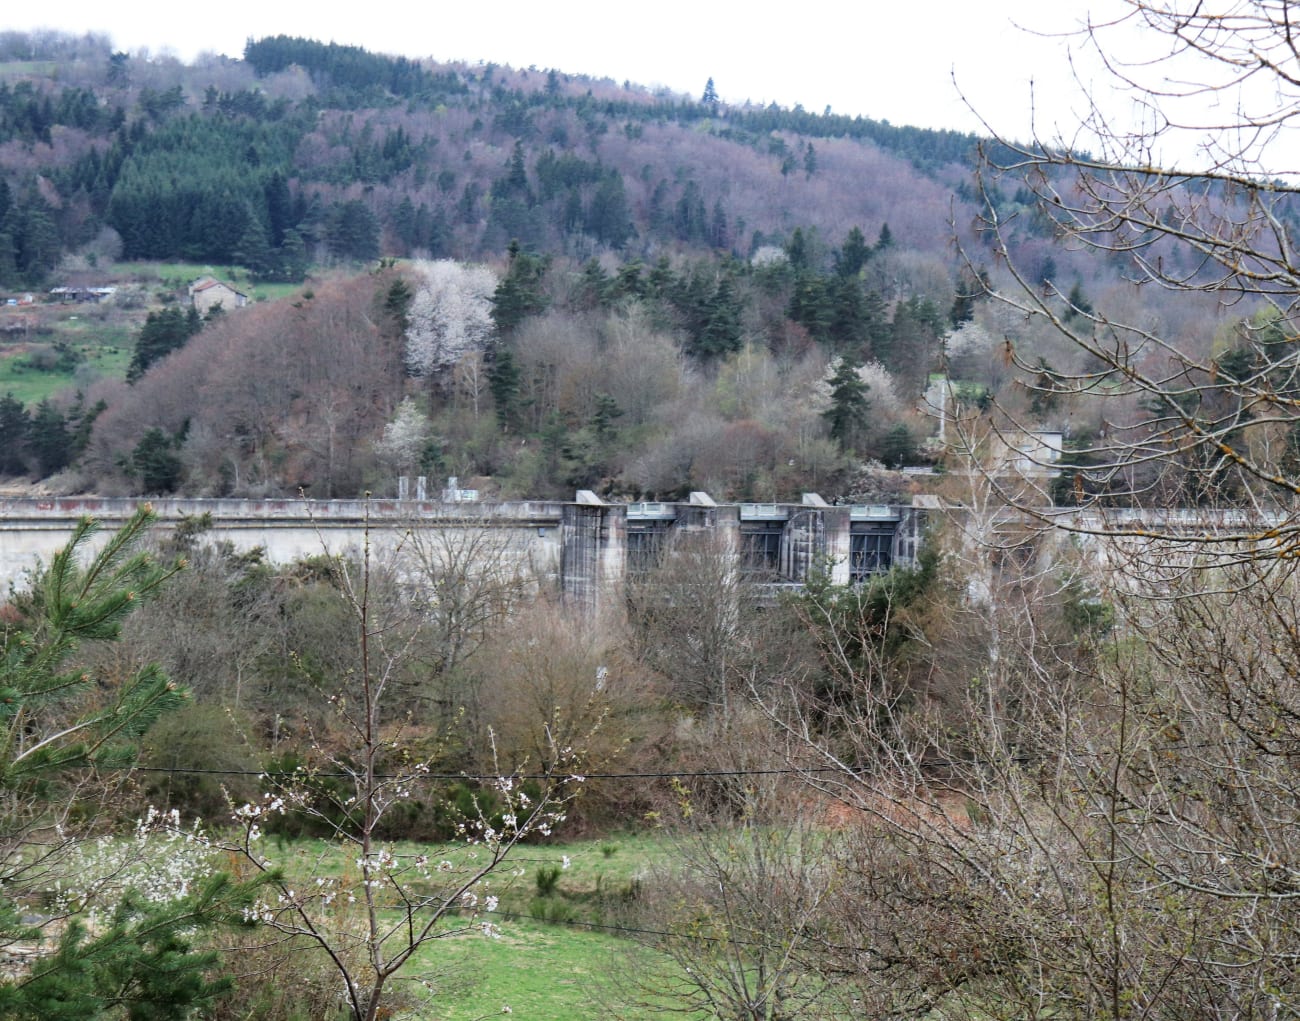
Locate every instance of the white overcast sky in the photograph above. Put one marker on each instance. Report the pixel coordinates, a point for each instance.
(900, 60)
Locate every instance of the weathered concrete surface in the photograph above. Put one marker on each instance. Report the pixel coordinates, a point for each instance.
(586, 547)
(32, 530)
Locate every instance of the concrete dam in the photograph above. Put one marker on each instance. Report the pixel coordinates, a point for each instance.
(586, 547)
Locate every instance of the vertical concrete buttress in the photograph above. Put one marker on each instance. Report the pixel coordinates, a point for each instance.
(593, 552)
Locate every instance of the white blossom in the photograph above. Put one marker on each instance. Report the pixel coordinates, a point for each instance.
(450, 315)
(405, 436)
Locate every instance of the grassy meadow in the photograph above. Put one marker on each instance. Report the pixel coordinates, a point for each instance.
(560, 954)
(56, 348)
(48, 349)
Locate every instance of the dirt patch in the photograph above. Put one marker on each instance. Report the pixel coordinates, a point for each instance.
(931, 810)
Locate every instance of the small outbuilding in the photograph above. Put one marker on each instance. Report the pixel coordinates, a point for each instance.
(207, 292)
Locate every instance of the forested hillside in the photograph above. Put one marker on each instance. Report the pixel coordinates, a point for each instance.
(583, 284)
(1046, 768)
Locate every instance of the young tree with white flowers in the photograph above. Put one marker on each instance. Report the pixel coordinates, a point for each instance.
(388, 904)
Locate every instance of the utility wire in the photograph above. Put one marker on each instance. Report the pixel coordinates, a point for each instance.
(490, 777)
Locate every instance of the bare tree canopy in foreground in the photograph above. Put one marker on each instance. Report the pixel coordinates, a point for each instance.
(1199, 197)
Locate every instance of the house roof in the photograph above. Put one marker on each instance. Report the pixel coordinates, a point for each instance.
(206, 283)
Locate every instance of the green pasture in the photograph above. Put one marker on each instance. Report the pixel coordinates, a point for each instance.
(28, 68)
(96, 341)
(574, 966)
(560, 956)
(586, 880)
(556, 972)
(79, 349)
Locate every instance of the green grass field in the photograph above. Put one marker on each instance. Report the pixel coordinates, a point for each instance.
(177, 276)
(100, 338)
(573, 967)
(554, 972)
(28, 68)
(76, 350)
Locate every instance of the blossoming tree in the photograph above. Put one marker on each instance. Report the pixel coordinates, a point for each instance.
(389, 903)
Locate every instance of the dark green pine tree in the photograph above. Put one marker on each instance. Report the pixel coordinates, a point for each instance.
(879, 331)
(594, 287)
(970, 289)
(253, 251)
(80, 421)
(516, 179)
(796, 251)
(628, 282)
(50, 442)
(608, 218)
(811, 306)
(689, 217)
(848, 328)
(691, 293)
(163, 332)
(36, 242)
(291, 258)
(139, 963)
(155, 463)
(279, 208)
(353, 232)
(602, 419)
(897, 447)
(719, 235)
(397, 305)
(853, 254)
(406, 224)
(913, 351)
(503, 382)
(710, 97)
(519, 294)
(513, 212)
(15, 425)
(846, 418)
(722, 331)
(659, 283)
(809, 161)
(116, 73)
(1078, 302)
(8, 249)
(8, 258)
(574, 216)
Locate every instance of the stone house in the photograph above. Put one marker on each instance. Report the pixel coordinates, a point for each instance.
(209, 291)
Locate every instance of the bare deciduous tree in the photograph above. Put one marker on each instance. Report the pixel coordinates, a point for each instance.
(1106, 830)
(736, 916)
(466, 580)
(1198, 196)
